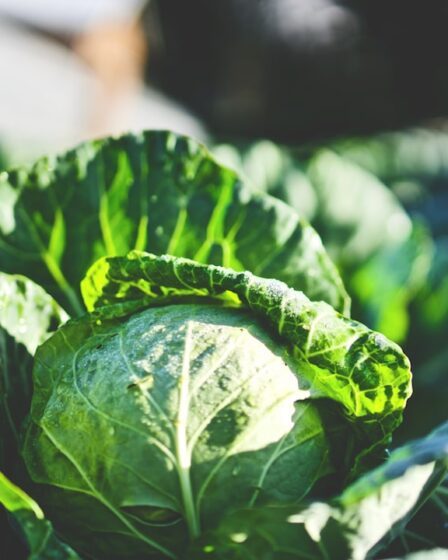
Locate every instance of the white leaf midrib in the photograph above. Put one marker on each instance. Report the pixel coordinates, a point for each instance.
(182, 452)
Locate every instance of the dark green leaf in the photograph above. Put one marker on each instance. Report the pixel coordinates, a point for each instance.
(38, 533)
(428, 554)
(28, 315)
(155, 191)
(359, 524)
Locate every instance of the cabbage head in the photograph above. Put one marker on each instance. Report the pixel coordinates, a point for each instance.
(190, 391)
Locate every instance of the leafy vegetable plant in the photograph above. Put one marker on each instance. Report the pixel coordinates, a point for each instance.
(210, 396)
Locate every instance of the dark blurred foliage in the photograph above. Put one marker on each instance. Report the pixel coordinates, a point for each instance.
(12, 545)
(294, 70)
(3, 159)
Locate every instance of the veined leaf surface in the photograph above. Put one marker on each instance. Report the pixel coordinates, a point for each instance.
(152, 427)
(359, 524)
(154, 191)
(341, 358)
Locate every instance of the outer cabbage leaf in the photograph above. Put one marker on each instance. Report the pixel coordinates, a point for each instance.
(38, 533)
(28, 315)
(27, 312)
(150, 427)
(393, 493)
(359, 524)
(342, 359)
(155, 191)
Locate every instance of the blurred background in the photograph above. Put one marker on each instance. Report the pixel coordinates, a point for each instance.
(337, 107)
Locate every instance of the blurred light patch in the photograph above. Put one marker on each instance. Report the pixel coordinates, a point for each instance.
(312, 24)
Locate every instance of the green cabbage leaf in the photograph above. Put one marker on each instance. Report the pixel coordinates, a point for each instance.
(37, 531)
(28, 315)
(153, 191)
(361, 523)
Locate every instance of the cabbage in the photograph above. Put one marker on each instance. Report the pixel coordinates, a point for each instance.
(191, 391)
